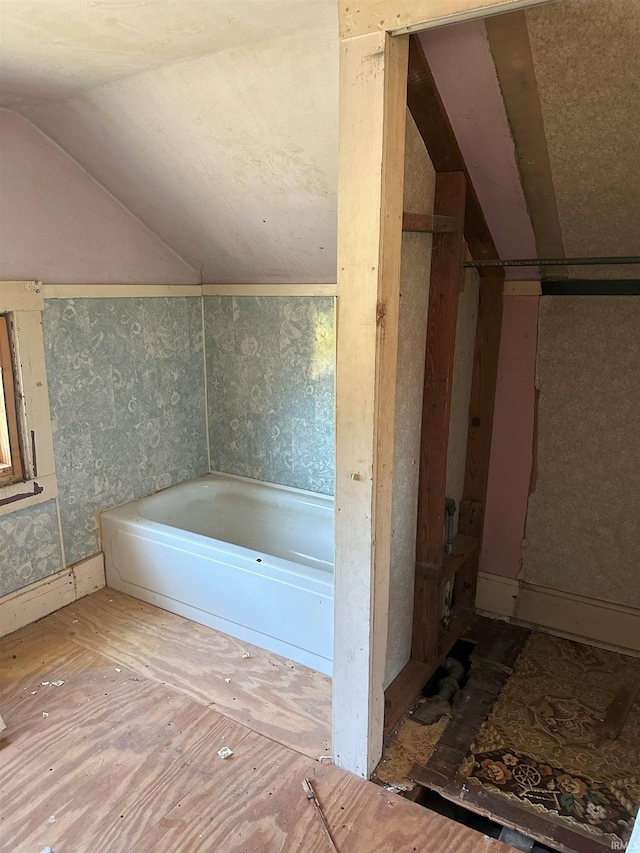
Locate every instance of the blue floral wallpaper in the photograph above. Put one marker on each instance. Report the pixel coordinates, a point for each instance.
(126, 392)
(270, 388)
(127, 397)
(29, 546)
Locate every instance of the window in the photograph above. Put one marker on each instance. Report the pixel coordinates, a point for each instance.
(11, 470)
(27, 465)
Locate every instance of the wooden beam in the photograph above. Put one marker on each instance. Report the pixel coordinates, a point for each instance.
(483, 392)
(509, 40)
(403, 16)
(446, 276)
(373, 74)
(429, 223)
(432, 121)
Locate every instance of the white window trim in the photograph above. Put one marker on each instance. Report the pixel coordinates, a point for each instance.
(24, 300)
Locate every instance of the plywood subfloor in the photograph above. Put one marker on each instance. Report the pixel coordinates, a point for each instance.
(274, 696)
(122, 755)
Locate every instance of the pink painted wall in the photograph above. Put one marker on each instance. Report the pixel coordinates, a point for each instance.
(58, 225)
(512, 440)
(462, 65)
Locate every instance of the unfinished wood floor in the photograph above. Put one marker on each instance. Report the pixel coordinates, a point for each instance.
(122, 756)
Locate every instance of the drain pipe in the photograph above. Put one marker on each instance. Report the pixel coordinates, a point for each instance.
(449, 515)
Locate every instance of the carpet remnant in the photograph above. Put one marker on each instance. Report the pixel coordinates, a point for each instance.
(540, 745)
(413, 744)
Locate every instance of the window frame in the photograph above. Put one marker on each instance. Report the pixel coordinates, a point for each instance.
(11, 468)
(23, 301)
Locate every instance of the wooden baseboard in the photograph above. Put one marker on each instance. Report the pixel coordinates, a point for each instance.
(37, 600)
(496, 596)
(602, 623)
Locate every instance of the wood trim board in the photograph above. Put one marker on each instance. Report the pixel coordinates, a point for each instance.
(111, 291)
(11, 452)
(371, 170)
(576, 617)
(404, 16)
(20, 296)
(131, 291)
(269, 289)
(43, 597)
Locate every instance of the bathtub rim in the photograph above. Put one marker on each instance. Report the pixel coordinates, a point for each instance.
(127, 514)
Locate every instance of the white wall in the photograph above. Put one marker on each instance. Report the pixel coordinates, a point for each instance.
(58, 225)
(419, 189)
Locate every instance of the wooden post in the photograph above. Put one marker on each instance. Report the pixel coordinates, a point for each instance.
(373, 78)
(483, 393)
(373, 74)
(447, 274)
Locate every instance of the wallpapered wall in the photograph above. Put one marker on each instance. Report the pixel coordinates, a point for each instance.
(127, 398)
(270, 388)
(29, 546)
(126, 392)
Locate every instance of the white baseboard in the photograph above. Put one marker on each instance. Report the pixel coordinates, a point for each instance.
(601, 623)
(496, 596)
(37, 600)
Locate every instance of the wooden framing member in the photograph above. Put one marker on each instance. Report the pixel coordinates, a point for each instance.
(373, 74)
(483, 394)
(373, 81)
(9, 440)
(430, 223)
(404, 16)
(432, 121)
(435, 128)
(431, 638)
(447, 275)
(509, 40)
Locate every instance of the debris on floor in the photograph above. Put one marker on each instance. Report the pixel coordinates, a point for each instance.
(225, 752)
(310, 794)
(3, 727)
(412, 744)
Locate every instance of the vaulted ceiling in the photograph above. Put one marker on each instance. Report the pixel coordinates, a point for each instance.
(215, 122)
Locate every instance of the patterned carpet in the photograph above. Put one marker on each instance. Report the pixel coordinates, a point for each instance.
(539, 746)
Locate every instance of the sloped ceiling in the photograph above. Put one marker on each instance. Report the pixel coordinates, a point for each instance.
(586, 56)
(215, 123)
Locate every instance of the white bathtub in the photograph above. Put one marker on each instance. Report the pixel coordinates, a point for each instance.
(249, 559)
